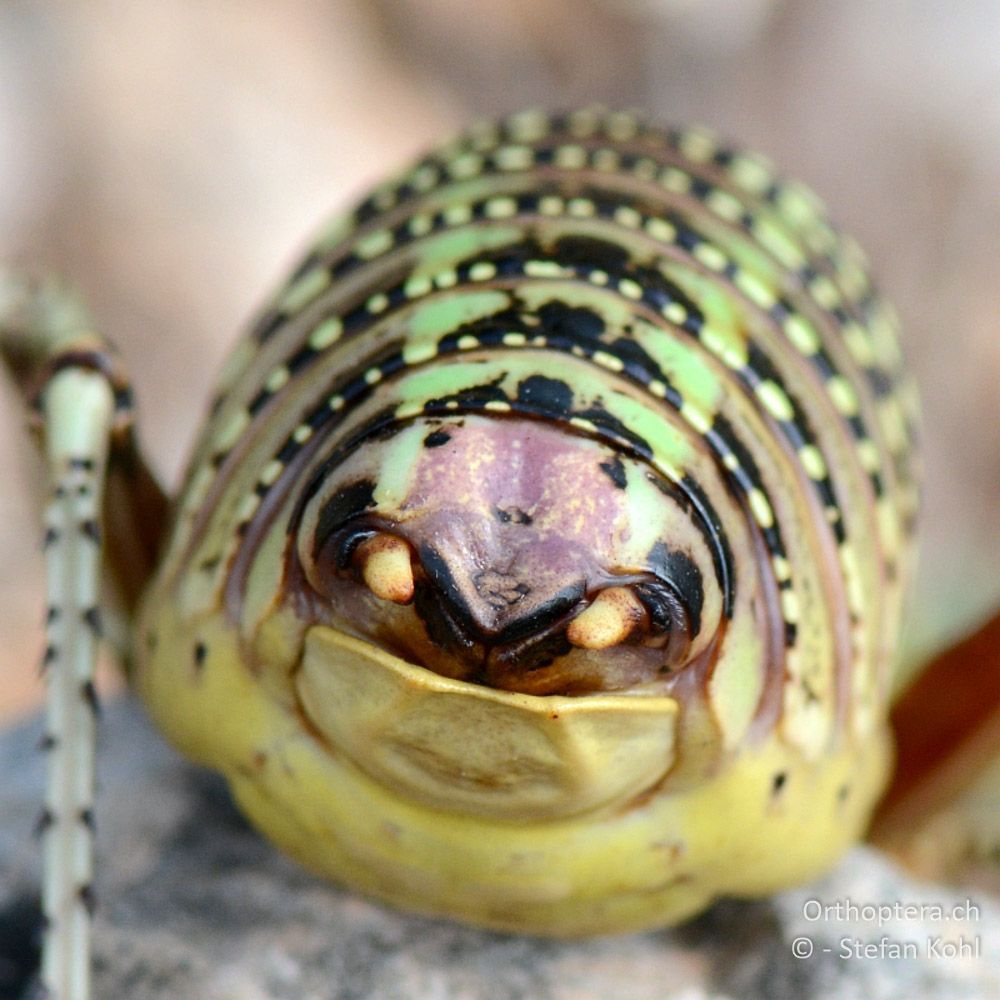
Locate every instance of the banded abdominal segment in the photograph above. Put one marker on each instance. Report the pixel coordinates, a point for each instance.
(572, 410)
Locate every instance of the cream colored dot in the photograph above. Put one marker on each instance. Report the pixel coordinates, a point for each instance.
(755, 289)
(269, 474)
(775, 400)
(761, 508)
(550, 204)
(465, 166)
(420, 225)
(711, 256)
(247, 507)
(302, 433)
(724, 204)
(373, 375)
(373, 244)
(751, 173)
(645, 168)
(790, 606)
(627, 216)
(468, 342)
(661, 230)
(417, 286)
(482, 270)
(458, 214)
(606, 160)
(696, 417)
(812, 462)
(379, 302)
(276, 379)
(698, 144)
(621, 127)
(802, 334)
(513, 158)
(501, 208)
(675, 313)
(304, 290)
(571, 157)
(529, 125)
(608, 361)
(842, 394)
(327, 333)
(544, 269)
(675, 180)
(424, 177)
(581, 208)
(630, 289)
(417, 352)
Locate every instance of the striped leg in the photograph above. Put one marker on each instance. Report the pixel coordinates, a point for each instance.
(81, 407)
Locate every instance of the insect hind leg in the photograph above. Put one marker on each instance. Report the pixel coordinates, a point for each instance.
(81, 408)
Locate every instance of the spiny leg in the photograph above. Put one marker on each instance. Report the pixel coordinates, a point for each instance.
(82, 407)
(940, 814)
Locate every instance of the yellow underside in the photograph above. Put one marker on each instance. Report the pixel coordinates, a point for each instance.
(655, 862)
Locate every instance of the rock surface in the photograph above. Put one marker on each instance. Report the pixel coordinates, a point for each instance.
(192, 903)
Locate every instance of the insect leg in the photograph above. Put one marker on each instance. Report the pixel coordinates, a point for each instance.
(81, 409)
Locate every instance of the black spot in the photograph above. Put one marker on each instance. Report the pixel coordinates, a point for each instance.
(152, 641)
(575, 324)
(48, 742)
(587, 252)
(45, 821)
(88, 899)
(50, 656)
(86, 818)
(21, 927)
(51, 537)
(82, 464)
(436, 438)
(89, 694)
(92, 619)
(679, 570)
(51, 615)
(200, 652)
(341, 507)
(843, 792)
(881, 382)
(83, 490)
(778, 782)
(547, 394)
(615, 470)
(91, 529)
(512, 515)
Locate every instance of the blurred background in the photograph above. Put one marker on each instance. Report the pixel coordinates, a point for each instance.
(171, 158)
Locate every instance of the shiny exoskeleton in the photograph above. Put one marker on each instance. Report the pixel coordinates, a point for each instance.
(541, 561)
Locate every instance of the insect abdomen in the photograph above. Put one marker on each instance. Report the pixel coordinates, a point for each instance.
(656, 294)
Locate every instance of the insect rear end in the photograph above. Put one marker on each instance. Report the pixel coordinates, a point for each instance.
(541, 561)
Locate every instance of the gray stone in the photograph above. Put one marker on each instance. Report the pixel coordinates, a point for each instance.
(191, 902)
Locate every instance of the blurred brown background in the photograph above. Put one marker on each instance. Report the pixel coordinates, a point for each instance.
(170, 157)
